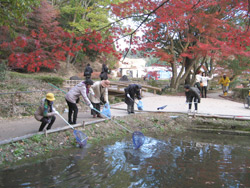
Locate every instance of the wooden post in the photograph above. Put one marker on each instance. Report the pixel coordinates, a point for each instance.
(83, 124)
(12, 104)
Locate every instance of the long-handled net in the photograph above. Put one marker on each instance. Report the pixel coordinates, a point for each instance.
(137, 136)
(81, 138)
(138, 139)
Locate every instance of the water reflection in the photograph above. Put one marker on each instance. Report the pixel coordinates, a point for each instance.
(163, 162)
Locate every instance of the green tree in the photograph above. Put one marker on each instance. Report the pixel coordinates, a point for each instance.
(80, 16)
(13, 12)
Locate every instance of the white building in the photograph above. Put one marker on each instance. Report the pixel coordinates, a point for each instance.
(134, 68)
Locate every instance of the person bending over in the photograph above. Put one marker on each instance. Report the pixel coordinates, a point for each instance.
(100, 89)
(72, 97)
(192, 94)
(131, 92)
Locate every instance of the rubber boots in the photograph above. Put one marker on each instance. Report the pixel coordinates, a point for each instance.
(225, 94)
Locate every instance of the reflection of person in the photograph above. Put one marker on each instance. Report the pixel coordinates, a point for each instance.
(204, 79)
(100, 90)
(88, 71)
(72, 97)
(224, 81)
(45, 112)
(132, 91)
(104, 73)
(192, 94)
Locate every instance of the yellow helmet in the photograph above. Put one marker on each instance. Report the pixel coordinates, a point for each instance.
(50, 97)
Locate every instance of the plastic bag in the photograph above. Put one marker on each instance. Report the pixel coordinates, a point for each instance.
(140, 105)
(106, 110)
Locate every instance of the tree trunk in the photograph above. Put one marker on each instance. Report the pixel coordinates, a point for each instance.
(188, 63)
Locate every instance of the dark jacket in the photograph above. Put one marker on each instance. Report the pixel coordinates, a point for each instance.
(134, 90)
(88, 71)
(105, 68)
(104, 73)
(193, 93)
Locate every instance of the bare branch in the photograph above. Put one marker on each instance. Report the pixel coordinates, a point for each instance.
(143, 21)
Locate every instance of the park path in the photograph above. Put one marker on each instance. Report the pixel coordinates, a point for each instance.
(211, 105)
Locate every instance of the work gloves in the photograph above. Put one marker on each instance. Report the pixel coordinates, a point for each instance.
(91, 106)
(55, 112)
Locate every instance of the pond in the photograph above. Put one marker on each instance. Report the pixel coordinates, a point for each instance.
(190, 160)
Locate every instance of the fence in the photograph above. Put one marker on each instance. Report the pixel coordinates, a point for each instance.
(117, 87)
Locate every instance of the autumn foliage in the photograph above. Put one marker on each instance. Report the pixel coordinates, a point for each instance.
(196, 27)
(44, 43)
(184, 32)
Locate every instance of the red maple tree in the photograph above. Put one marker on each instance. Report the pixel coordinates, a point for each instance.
(43, 42)
(186, 32)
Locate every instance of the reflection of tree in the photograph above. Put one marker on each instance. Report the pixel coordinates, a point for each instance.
(170, 163)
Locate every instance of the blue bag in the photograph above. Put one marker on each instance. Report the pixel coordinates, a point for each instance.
(140, 105)
(106, 110)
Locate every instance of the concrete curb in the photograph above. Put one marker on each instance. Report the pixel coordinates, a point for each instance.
(48, 132)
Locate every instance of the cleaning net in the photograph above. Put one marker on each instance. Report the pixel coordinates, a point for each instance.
(81, 138)
(138, 139)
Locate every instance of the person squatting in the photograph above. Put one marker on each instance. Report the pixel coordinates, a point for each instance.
(45, 113)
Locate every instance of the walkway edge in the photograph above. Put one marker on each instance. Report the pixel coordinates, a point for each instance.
(48, 132)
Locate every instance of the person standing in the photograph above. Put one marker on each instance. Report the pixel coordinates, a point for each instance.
(72, 97)
(88, 71)
(45, 113)
(198, 81)
(192, 94)
(104, 73)
(100, 89)
(224, 81)
(131, 92)
(204, 81)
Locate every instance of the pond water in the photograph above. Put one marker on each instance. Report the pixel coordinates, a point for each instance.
(193, 160)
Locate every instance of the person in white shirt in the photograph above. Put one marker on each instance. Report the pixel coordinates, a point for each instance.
(198, 80)
(204, 79)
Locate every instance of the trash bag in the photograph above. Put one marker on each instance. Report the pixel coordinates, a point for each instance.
(140, 105)
(106, 110)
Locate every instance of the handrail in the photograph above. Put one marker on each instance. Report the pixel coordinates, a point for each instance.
(70, 83)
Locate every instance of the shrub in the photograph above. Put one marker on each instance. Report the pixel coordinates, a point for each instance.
(241, 92)
(51, 79)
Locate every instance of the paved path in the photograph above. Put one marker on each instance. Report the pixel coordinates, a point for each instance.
(215, 105)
